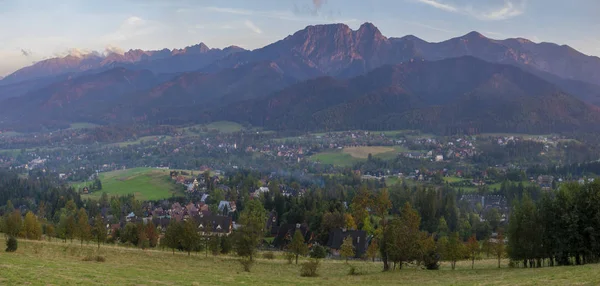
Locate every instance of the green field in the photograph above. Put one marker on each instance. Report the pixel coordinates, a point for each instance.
(57, 263)
(144, 183)
(350, 155)
(155, 138)
(225, 126)
(336, 158)
(82, 125)
(9, 134)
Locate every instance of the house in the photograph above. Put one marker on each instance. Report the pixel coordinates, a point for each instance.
(359, 241)
(259, 191)
(227, 207)
(545, 182)
(212, 224)
(286, 232)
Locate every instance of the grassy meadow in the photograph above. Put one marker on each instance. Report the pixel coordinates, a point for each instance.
(144, 183)
(154, 138)
(350, 155)
(58, 263)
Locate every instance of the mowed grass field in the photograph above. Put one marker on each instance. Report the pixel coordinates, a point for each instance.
(143, 183)
(350, 155)
(58, 263)
(145, 139)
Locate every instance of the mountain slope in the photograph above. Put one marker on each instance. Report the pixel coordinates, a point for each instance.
(332, 49)
(562, 61)
(160, 61)
(433, 96)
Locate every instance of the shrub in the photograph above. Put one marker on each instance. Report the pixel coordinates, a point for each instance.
(318, 252)
(246, 264)
(353, 271)
(11, 244)
(431, 260)
(96, 258)
(289, 257)
(309, 269)
(269, 255)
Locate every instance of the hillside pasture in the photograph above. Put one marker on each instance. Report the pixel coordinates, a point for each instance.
(143, 183)
(58, 263)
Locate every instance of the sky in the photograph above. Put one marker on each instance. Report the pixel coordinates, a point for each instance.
(33, 30)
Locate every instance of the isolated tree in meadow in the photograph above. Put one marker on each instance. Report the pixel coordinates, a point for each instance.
(32, 227)
(99, 230)
(373, 250)
(498, 248)
(297, 246)
(189, 237)
(171, 239)
(382, 205)
(473, 249)
(250, 234)
(13, 223)
(50, 231)
(143, 241)
(403, 236)
(151, 234)
(347, 248)
(430, 257)
(83, 226)
(455, 249)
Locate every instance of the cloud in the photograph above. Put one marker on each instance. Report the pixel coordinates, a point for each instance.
(439, 5)
(110, 49)
(230, 10)
(510, 9)
(252, 27)
(131, 27)
(25, 52)
(429, 27)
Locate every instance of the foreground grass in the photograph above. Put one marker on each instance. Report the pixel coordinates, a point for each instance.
(144, 183)
(57, 263)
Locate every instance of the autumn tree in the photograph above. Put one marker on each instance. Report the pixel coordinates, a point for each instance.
(151, 234)
(99, 230)
(403, 236)
(359, 205)
(373, 250)
(83, 226)
(349, 222)
(473, 249)
(297, 246)
(50, 231)
(347, 248)
(32, 227)
(13, 223)
(382, 205)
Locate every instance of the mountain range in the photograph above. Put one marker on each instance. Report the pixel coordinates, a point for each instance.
(324, 77)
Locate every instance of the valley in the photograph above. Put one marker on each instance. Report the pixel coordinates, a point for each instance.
(333, 155)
